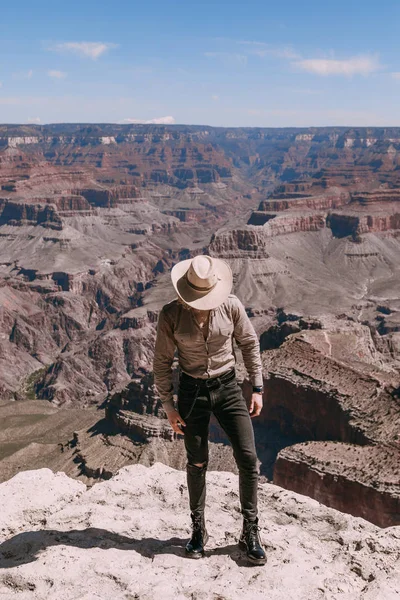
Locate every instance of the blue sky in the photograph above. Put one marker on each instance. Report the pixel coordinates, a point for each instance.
(253, 63)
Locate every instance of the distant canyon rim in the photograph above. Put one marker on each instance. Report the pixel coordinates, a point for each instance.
(93, 217)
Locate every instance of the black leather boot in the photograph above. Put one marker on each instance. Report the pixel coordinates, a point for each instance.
(195, 546)
(251, 543)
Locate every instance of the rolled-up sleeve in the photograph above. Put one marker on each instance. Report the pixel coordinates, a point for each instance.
(248, 343)
(162, 362)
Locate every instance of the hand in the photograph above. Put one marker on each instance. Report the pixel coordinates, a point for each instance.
(176, 421)
(256, 404)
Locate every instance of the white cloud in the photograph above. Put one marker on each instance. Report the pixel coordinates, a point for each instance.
(286, 52)
(141, 70)
(228, 57)
(23, 74)
(158, 121)
(56, 74)
(357, 65)
(85, 49)
(262, 49)
(215, 97)
(307, 91)
(1, 84)
(34, 120)
(9, 101)
(395, 75)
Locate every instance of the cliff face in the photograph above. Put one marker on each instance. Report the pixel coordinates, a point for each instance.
(346, 213)
(129, 159)
(185, 156)
(325, 385)
(19, 213)
(238, 242)
(362, 481)
(298, 201)
(334, 399)
(353, 224)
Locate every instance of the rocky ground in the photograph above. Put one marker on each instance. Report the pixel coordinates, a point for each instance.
(124, 539)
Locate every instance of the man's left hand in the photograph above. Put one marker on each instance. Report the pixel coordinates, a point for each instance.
(256, 405)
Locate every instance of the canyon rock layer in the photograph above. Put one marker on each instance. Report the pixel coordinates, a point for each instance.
(92, 218)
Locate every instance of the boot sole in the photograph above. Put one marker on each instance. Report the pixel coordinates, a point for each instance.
(255, 561)
(194, 555)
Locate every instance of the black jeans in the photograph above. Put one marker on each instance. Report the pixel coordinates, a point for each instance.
(230, 409)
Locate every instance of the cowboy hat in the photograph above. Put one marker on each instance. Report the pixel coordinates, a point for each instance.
(203, 282)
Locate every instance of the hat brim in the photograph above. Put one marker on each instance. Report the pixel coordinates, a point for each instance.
(202, 300)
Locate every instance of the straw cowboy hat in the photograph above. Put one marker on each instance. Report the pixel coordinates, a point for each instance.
(203, 282)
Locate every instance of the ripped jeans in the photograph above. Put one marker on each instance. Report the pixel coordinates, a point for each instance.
(230, 409)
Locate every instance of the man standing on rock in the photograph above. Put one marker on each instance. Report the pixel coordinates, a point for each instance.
(201, 323)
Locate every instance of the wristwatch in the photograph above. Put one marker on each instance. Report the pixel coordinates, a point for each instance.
(257, 389)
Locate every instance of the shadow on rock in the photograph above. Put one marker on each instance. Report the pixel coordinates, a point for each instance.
(103, 427)
(234, 553)
(27, 546)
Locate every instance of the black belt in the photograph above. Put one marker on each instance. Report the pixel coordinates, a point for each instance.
(214, 382)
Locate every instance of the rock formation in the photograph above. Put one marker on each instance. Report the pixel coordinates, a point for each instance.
(326, 385)
(361, 480)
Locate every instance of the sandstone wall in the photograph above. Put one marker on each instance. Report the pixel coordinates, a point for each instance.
(357, 491)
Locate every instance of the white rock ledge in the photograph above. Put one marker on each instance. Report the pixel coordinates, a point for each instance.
(124, 539)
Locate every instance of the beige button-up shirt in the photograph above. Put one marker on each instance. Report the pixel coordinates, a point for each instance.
(199, 357)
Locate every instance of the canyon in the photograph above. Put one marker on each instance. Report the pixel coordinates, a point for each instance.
(92, 218)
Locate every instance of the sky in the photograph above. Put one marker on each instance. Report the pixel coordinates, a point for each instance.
(223, 63)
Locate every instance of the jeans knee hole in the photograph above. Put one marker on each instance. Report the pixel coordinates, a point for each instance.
(197, 466)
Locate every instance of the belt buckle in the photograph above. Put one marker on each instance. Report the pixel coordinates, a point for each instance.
(227, 376)
(213, 383)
